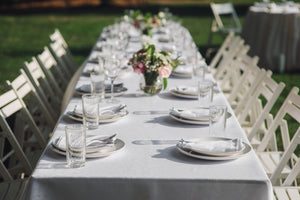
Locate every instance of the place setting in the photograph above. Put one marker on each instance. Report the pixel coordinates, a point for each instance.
(78, 145)
(213, 148)
(107, 113)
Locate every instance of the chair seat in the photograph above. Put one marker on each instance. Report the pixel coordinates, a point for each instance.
(286, 193)
(270, 161)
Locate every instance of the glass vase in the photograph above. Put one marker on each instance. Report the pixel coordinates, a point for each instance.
(153, 88)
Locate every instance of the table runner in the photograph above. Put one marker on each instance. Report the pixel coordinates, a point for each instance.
(150, 167)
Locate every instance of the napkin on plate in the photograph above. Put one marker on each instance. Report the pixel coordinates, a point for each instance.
(183, 69)
(92, 142)
(187, 90)
(108, 111)
(199, 114)
(213, 146)
(86, 88)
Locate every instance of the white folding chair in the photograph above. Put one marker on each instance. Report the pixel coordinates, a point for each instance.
(246, 85)
(255, 117)
(41, 85)
(13, 189)
(19, 127)
(229, 75)
(286, 193)
(38, 110)
(225, 20)
(60, 54)
(52, 71)
(57, 38)
(283, 166)
(221, 60)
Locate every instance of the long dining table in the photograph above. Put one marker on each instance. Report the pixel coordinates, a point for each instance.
(149, 166)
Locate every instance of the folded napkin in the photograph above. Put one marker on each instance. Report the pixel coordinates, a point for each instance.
(104, 112)
(93, 143)
(183, 69)
(200, 114)
(213, 146)
(187, 90)
(86, 88)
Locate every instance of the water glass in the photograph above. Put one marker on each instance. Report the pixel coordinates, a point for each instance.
(75, 145)
(112, 69)
(90, 107)
(97, 85)
(205, 93)
(217, 120)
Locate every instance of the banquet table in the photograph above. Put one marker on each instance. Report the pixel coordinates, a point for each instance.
(273, 33)
(150, 166)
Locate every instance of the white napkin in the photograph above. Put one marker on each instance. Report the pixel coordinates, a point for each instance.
(108, 111)
(211, 146)
(200, 114)
(183, 69)
(188, 90)
(92, 142)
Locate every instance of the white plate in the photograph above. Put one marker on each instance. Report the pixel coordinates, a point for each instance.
(116, 94)
(174, 92)
(182, 75)
(209, 153)
(193, 154)
(119, 144)
(186, 121)
(109, 120)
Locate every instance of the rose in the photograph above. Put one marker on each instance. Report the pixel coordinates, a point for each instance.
(140, 69)
(165, 71)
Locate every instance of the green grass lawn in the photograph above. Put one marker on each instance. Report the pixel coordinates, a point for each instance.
(24, 36)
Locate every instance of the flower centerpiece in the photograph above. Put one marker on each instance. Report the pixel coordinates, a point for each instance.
(146, 22)
(155, 66)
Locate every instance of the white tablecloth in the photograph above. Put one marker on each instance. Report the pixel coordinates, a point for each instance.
(274, 35)
(150, 167)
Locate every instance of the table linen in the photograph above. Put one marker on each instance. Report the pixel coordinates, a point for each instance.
(149, 166)
(274, 35)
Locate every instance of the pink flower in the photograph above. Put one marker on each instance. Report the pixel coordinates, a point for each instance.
(165, 71)
(140, 69)
(136, 24)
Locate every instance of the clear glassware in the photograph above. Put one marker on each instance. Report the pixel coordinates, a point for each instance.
(112, 69)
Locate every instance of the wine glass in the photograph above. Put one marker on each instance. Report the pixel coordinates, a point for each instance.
(111, 70)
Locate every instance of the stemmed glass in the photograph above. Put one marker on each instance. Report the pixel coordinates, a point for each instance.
(111, 70)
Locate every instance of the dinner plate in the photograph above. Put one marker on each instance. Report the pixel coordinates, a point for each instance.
(187, 95)
(119, 144)
(187, 121)
(215, 139)
(102, 119)
(60, 143)
(212, 156)
(181, 75)
(119, 93)
(193, 121)
(174, 92)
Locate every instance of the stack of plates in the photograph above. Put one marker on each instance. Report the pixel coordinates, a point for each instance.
(58, 145)
(183, 71)
(185, 91)
(213, 148)
(189, 91)
(198, 116)
(107, 115)
(118, 89)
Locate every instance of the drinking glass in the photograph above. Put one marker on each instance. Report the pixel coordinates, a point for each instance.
(75, 145)
(205, 93)
(112, 69)
(217, 120)
(90, 107)
(97, 85)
